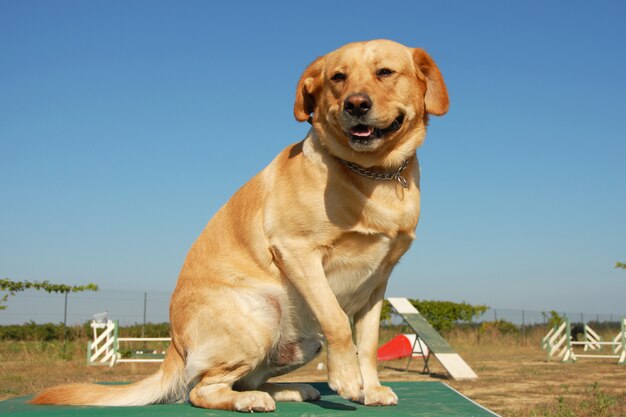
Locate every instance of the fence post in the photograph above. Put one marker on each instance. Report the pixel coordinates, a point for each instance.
(145, 303)
(523, 329)
(65, 328)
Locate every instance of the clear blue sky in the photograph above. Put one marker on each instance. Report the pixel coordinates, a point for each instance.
(125, 125)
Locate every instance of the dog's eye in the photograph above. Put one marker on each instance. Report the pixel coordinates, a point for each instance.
(384, 72)
(339, 76)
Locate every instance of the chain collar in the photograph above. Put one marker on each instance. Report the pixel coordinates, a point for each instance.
(383, 176)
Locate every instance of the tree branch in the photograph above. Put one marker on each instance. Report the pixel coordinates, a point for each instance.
(11, 287)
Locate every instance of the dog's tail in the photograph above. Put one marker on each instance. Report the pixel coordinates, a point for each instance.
(166, 385)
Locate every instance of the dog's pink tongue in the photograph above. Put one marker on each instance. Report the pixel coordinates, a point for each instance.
(361, 131)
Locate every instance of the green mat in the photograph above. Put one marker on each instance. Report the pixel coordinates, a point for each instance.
(423, 399)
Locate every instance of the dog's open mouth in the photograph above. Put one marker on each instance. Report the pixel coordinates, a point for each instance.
(362, 134)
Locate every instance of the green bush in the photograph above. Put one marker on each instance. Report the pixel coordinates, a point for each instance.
(499, 326)
(442, 315)
(34, 332)
(49, 331)
(553, 318)
(150, 330)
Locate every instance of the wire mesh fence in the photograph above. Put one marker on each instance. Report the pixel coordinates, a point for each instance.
(128, 307)
(132, 307)
(534, 317)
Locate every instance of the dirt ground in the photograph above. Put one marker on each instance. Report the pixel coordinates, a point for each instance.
(513, 381)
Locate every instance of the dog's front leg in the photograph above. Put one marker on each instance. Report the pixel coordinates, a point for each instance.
(302, 265)
(367, 324)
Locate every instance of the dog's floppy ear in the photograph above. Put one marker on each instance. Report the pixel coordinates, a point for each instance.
(436, 99)
(310, 82)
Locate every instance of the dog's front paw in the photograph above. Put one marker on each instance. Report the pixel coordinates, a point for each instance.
(349, 388)
(379, 396)
(344, 376)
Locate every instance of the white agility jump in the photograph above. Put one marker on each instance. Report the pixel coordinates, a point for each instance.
(558, 342)
(105, 347)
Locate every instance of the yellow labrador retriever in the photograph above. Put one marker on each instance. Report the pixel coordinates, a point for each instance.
(303, 249)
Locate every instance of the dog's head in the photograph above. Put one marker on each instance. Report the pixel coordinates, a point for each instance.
(371, 100)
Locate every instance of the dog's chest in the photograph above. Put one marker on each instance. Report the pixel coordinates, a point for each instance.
(361, 258)
(356, 264)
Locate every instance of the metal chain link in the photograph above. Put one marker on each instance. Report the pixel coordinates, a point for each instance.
(383, 176)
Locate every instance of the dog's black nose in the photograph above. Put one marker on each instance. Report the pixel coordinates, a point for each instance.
(357, 104)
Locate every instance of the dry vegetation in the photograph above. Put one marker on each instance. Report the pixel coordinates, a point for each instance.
(515, 377)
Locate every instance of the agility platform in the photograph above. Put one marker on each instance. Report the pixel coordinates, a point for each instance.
(416, 399)
(437, 345)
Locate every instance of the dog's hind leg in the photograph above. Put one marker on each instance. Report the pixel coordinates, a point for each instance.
(229, 348)
(222, 397)
(284, 358)
(217, 367)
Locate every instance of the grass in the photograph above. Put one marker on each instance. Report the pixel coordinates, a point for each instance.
(515, 377)
(592, 401)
